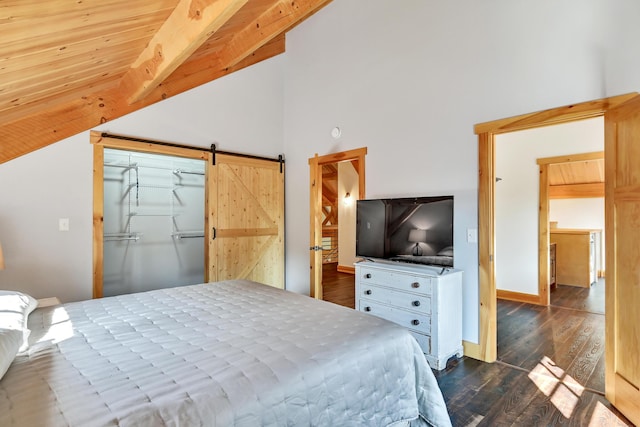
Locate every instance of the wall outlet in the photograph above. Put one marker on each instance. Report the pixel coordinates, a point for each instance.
(63, 224)
(472, 235)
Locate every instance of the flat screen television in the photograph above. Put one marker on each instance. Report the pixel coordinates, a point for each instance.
(413, 229)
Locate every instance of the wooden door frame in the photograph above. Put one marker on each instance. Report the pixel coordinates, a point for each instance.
(101, 142)
(544, 293)
(487, 348)
(357, 156)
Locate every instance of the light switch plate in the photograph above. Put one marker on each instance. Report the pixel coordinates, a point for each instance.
(472, 235)
(63, 224)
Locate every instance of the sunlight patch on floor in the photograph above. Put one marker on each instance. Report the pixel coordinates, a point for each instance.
(563, 391)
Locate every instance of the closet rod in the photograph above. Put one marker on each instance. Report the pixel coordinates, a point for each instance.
(212, 150)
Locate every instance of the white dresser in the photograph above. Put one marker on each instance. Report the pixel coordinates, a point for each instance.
(426, 300)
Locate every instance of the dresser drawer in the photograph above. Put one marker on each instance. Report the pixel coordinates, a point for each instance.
(404, 300)
(402, 282)
(415, 321)
(424, 341)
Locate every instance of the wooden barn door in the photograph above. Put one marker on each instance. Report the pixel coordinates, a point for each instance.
(622, 218)
(246, 220)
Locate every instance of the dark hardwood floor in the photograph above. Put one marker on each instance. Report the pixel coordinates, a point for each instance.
(338, 288)
(550, 368)
(586, 299)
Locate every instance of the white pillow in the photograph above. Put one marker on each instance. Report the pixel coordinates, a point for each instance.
(10, 340)
(15, 308)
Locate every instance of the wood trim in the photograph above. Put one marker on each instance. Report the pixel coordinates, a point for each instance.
(554, 116)
(580, 157)
(472, 350)
(486, 246)
(210, 209)
(315, 229)
(486, 187)
(518, 297)
(544, 297)
(147, 147)
(346, 269)
(98, 218)
(577, 191)
(344, 156)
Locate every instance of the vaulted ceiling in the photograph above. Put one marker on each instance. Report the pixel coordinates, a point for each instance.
(69, 65)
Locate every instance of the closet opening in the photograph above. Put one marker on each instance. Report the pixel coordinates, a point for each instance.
(153, 221)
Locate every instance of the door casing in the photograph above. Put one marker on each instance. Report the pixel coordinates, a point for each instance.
(356, 156)
(101, 142)
(486, 349)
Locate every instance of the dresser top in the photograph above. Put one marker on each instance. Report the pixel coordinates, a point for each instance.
(429, 270)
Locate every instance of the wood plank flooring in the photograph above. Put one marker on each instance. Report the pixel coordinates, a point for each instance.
(338, 288)
(550, 369)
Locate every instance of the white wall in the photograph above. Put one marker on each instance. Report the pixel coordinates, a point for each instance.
(409, 80)
(239, 112)
(347, 183)
(578, 213)
(517, 194)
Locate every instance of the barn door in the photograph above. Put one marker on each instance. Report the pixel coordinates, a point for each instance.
(622, 218)
(246, 220)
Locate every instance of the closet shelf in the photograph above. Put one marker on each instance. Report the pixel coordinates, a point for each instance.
(116, 237)
(151, 214)
(179, 235)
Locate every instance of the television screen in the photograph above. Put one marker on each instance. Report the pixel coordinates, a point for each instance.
(417, 229)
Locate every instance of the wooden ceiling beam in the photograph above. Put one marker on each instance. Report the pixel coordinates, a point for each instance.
(574, 191)
(40, 128)
(277, 19)
(187, 28)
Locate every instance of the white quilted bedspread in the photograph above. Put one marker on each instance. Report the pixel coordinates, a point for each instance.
(231, 353)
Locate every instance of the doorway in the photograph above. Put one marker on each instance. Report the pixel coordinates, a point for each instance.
(327, 200)
(486, 349)
(622, 204)
(153, 221)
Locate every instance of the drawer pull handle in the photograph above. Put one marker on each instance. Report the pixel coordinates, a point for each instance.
(416, 303)
(367, 276)
(415, 285)
(415, 322)
(367, 292)
(367, 309)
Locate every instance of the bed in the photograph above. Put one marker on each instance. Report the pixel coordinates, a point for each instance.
(233, 353)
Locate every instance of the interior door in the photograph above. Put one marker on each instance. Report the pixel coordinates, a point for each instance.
(622, 218)
(357, 157)
(315, 227)
(246, 220)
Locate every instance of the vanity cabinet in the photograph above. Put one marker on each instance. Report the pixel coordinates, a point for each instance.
(578, 255)
(426, 300)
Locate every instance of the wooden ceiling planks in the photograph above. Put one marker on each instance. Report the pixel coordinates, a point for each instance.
(582, 172)
(61, 62)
